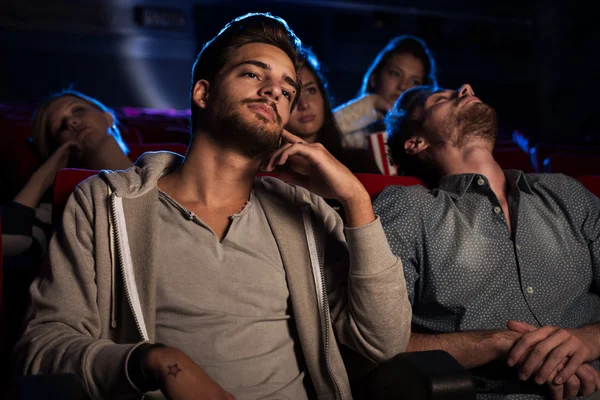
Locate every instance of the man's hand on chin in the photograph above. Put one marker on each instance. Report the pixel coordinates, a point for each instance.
(311, 166)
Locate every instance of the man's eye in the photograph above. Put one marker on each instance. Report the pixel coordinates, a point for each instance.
(312, 90)
(78, 110)
(287, 94)
(251, 75)
(442, 98)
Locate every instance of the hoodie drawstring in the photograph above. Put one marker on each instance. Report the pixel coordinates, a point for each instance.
(113, 263)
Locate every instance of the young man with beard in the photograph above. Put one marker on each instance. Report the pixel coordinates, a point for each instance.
(502, 268)
(193, 277)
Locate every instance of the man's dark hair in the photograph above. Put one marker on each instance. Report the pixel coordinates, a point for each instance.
(249, 28)
(403, 122)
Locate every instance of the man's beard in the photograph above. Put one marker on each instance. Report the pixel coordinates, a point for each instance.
(478, 121)
(230, 129)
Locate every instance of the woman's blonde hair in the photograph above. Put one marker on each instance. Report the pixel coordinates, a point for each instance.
(40, 132)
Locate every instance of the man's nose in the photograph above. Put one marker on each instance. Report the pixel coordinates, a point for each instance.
(466, 90)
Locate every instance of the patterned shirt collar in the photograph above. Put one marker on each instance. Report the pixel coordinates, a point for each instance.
(457, 185)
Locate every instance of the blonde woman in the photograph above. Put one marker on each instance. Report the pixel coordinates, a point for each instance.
(68, 129)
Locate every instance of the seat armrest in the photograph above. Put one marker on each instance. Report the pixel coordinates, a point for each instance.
(49, 387)
(426, 375)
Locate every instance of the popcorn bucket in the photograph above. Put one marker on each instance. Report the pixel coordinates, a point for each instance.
(379, 151)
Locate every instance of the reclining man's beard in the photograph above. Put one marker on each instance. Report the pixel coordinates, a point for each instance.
(477, 121)
(254, 140)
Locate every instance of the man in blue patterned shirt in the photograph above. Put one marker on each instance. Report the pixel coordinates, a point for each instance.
(502, 267)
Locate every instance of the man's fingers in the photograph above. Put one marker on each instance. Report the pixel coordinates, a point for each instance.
(312, 152)
(577, 356)
(588, 378)
(519, 353)
(550, 353)
(520, 326)
(289, 137)
(571, 387)
(272, 161)
(557, 391)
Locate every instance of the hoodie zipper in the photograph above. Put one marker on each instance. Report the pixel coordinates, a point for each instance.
(113, 263)
(321, 286)
(117, 211)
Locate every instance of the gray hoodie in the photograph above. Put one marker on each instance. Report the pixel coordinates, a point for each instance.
(96, 300)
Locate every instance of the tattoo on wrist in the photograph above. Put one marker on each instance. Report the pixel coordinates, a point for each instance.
(174, 370)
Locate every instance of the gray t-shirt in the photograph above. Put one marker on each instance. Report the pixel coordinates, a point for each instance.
(226, 304)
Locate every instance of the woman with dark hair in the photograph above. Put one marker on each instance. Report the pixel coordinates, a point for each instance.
(313, 120)
(405, 62)
(68, 129)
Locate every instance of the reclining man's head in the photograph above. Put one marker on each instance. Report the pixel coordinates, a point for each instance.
(431, 127)
(244, 85)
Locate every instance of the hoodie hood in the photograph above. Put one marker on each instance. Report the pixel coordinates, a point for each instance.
(144, 175)
(140, 179)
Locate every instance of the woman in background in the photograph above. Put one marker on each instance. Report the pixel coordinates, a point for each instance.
(313, 120)
(405, 62)
(68, 129)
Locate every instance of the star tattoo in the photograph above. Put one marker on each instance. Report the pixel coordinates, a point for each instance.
(174, 370)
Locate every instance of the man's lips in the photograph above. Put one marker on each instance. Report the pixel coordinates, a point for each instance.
(306, 118)
(264, 110)
(469, 99)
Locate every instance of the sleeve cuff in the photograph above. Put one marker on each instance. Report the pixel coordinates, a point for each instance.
(129, 361)
(134, 367)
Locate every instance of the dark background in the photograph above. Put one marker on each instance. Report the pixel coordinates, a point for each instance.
(533, 61)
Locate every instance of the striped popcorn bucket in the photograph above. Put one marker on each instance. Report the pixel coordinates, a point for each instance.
(379, 151)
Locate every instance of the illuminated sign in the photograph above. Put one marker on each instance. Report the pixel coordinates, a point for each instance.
(161, 18)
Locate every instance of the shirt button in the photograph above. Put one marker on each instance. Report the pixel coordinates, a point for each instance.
(518, 247)
(529, 290)
(497, 210)
(480, 181)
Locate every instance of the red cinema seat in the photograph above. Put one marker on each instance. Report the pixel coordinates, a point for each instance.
(572, 164)
(541, 151)
(513, 158)
(591, 183)
(375, 183)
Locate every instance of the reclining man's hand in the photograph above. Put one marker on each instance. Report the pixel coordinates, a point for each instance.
(584, 382)
(554, 356)
(311, 166)
(181, 378)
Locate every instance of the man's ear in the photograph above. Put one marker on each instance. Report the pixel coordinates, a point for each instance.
(200, 93)
(415, 145)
